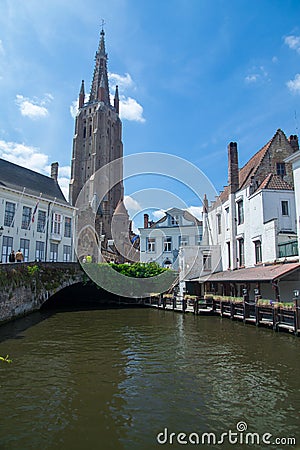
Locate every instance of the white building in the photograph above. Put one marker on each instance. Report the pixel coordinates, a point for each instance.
(160, 241)
(253, 222)
(254, 218)
(294, 159)
(34, 215)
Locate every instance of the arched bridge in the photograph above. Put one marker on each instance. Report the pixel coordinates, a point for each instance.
(25, 287)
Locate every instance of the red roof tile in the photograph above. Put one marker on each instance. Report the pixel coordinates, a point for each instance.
(275, 182)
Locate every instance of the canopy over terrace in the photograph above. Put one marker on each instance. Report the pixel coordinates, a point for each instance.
(275, 281)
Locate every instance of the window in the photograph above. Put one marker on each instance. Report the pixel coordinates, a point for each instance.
(285, 208)
(280, 169)
(228, 255)
(53, 252)
(41, 222)
(56, 223)
(167, 244)
(240, 211)
(10, 209)
(24, 247)
(67, 253)
(183, 241)
(219, 223)
(241, 252)
(7, 246)
(40, 251)
(198, 239)
(151, 245)
(257, 247)
(26, 217)
(227, 218)
(68, 222)
(174, 220)
(207, 262)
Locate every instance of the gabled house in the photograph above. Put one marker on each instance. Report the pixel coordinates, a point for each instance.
(254, 218)
(160, 241)
(253, 221)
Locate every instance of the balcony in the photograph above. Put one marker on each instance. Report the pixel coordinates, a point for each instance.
(288, 249)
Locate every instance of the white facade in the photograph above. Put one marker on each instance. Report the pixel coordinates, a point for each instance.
(295, 160)
(42, 229)
(259, 227)
(160, 241)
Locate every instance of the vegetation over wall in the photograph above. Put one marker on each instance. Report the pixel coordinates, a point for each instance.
(139, 270)
(131, 280)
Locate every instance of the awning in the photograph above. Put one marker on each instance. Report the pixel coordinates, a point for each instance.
(263, 273)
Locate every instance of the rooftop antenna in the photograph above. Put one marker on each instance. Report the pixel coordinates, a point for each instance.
(296, 122)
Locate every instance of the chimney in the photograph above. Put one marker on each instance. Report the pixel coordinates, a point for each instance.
(293, 140)
(146, 221)
(54, 171)
(233, 168)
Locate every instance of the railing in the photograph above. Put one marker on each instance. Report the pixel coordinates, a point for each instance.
(276, 315)
(288, 249)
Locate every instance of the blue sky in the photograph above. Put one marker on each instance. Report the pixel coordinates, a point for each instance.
(193, 76)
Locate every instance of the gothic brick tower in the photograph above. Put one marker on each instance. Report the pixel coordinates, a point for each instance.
(98, 141)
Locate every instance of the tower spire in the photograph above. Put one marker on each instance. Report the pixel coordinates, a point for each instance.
(81, 95)
(100, 78)
(116, 99)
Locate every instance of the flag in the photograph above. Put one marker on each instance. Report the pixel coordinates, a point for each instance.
(35, 208)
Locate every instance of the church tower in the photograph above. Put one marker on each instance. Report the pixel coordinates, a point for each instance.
(98, 141)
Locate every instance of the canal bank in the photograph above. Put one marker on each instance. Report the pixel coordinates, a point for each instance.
(277, 316)
(115, 379)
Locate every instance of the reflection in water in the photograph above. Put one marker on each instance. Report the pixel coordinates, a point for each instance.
(113, 379)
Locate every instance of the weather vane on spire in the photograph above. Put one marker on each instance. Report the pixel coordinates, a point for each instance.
(102, 25)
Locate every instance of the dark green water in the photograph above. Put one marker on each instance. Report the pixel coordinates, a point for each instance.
(114, 379)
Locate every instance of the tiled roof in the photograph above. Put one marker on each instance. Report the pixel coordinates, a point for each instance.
(251, 166)
(17, 178)
(250, 169)
(259, 273)
(275, 182)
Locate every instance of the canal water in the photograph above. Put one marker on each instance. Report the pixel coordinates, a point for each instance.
(129, 378)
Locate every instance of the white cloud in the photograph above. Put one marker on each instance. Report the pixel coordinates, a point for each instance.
(196, 211)
(2, 51)
(124, 82)
(274, 60)
(258, 74)
(33, 108)
(34, 159)
(158, 214)
(293, 42)
(294, 85)
(251, 78)
(74, 108)
(131, 204)
(130, 109)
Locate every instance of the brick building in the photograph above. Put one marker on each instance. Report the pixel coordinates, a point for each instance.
(97, 144)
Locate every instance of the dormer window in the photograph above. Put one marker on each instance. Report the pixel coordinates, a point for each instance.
(280, 169)
(174, 220)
